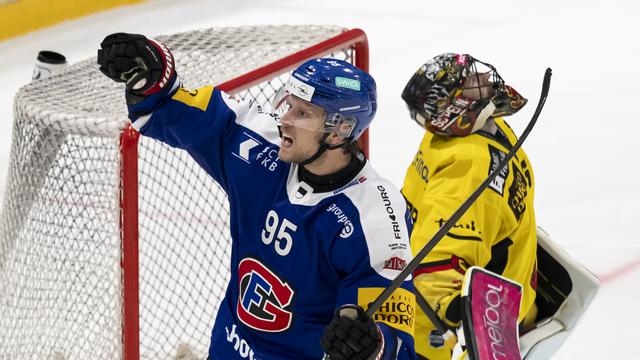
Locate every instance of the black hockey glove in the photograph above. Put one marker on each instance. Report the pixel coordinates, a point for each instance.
(351, 335)
(146, 66)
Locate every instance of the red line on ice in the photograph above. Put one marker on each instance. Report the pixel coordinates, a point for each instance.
(620, 271)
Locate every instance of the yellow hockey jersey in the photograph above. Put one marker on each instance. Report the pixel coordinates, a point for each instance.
(498, 232)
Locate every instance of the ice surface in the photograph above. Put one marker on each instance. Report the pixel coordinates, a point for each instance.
(583, 148)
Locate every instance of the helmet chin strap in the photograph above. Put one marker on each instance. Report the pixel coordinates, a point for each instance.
(323, 147)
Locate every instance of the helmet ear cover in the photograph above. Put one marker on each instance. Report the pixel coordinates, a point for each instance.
(341, 125)
(450, 96)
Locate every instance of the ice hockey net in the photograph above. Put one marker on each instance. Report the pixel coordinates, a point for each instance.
(117, 246)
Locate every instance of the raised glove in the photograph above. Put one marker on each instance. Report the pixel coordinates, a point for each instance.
(146, 66)
(352, 335)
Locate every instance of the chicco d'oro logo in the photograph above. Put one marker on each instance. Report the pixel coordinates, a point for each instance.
(347, 228)
(387, 205)
(398, 311)
(263, 298)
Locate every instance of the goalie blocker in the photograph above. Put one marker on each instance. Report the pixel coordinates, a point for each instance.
(491, 305)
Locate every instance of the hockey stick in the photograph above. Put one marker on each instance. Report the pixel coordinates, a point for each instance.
(413, 264)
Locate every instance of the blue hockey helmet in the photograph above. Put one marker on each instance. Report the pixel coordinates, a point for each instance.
(346, 93)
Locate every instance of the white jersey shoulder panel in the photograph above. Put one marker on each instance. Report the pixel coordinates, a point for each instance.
(251, 116)
(382, 216)
(381, 210)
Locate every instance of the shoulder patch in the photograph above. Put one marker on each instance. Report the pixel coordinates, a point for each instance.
(499, 182)
(518, 193)
(198, 98)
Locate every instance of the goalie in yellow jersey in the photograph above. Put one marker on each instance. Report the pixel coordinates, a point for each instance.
(460, 101)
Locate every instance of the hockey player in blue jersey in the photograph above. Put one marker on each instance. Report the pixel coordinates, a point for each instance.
(316, 233)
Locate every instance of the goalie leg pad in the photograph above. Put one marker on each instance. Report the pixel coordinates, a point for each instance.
(565, 291)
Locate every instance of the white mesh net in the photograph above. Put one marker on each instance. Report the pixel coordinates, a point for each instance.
(60, 235)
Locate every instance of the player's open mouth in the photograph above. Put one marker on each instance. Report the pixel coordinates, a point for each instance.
(287, 141)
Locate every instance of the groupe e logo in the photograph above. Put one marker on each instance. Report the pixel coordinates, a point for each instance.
(347, 228)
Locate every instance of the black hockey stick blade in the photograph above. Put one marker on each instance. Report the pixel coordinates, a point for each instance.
(413, 264)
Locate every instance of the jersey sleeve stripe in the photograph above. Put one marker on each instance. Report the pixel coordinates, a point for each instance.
(442, 265)
(463, 237)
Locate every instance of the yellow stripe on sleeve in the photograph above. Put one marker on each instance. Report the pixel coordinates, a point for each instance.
(198, 98)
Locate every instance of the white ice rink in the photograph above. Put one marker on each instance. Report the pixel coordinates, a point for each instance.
(583, 148)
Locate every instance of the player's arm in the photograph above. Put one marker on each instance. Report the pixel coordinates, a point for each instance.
(144, 65)
(158, 106)
(198, 121)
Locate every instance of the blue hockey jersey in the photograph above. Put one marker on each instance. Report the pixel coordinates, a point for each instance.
(297, 255)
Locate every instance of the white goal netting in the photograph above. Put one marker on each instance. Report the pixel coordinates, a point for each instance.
(60, 227)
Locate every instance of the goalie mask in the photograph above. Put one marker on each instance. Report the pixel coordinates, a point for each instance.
(455, 95)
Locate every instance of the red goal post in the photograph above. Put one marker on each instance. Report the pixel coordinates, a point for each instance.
(118, 242)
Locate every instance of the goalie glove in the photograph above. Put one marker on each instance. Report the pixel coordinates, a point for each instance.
(145, 66)
(352, 335)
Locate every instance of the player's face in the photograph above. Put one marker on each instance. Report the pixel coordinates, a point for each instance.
(478, 86)
(302, 127)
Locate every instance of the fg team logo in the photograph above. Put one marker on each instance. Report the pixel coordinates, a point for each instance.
(263, 298)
